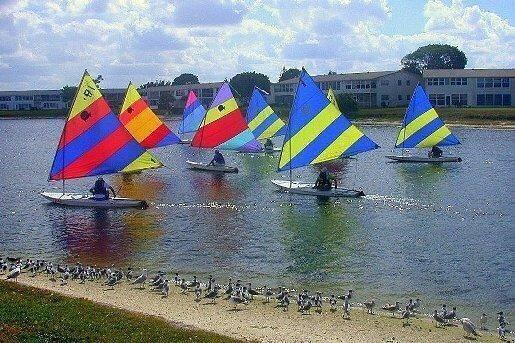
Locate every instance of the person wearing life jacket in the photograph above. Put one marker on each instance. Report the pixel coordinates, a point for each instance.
(435, 152)
(269, 145)
(218, 159)
(101, 189)
(324, 181)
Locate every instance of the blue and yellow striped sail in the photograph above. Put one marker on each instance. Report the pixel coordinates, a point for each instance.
(263, 121)
(421, 127)
(317, 131)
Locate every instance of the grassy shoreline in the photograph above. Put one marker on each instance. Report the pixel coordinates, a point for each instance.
(29, 314)
(500, 117)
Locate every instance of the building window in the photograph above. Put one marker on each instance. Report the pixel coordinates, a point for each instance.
(458, 81)
(4, 106)
(348, 86)
(480, 82)
(399, 97)
(373, 84)
(5, 98)
(385, 83)
(497, 99)
(489, 82)
(437, 99)
(459, 100)
(505, 82)
(399, 82)
(208, 92)
(506, 99)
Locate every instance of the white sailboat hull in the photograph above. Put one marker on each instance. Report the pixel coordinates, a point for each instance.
(264, 151)
(84, 200)
(212, 168)
(307, 189)
(421, 159)
(185, 141)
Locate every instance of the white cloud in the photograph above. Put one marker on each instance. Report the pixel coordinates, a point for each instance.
(46, 43)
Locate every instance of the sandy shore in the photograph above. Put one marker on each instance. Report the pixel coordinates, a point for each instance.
(259, 321)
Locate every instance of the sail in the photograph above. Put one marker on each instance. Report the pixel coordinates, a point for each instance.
(317, 131)
(263, 121)
(224, 127)
(193, 114)
(421, 127)
(332, 98)
(143, 123)
(94, 141)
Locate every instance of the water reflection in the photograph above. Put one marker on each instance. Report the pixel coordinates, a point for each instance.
(318, 240)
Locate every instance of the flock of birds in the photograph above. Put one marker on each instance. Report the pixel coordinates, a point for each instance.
(236, 293)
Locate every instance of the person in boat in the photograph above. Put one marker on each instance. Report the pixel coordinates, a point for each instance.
(101, 189)
(269, 145)
(435, 152)
(324, 181)
(218, 159)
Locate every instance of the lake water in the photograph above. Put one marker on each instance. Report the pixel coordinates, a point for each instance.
(442, 233)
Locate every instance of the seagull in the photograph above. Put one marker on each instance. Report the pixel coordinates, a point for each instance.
(251, 291)
(212, 294)
(129, 274)
(268, 293)
(285, 301)
(391, 308)
(14, 274)
(451, 314)
(469, 327)
(333, 302)
(438, 319)
(193, 283)
(198, 292)
(306, 307)
(346, 307)
(501, 331)
(369, 305)
(406, 314)
(483, 321)
(141, 279)
(177, 279)
(183, 286)
(236, 299)
(209, 283)
(166, 289)
(111, 281)
(415, 305)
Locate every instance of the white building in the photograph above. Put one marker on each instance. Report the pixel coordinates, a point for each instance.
(31, 99)
(470, 87)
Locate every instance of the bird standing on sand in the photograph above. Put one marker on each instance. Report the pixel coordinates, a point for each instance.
(14, 274)
(177, 279)
(251, 291)
(129, 274)
(438, 319)
(285, 300)
(237, 299)
(267, 293)
(451, 314)
(369, 305)
(333, 302)
(391, 308)
(213, 294)
(346, 307)
(198, 292)
(183, 286)
(166, 289)
(406, 314)
(482, 321)
(141, 279)
(469, 327)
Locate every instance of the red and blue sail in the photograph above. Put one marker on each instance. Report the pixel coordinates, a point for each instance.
(94, 141)
(224, 127)
(193, 114)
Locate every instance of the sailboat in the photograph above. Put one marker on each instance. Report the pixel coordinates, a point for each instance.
(192, 116)
(317, 132)
(263, 122)
(422, 128)
(94, 142)
(142, 123)
(223, 127)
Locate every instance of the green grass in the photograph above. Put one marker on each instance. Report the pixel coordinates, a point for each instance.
(31, 315)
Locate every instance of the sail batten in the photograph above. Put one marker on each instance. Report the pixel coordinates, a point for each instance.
(262, 120)
(422, 127)
(193, 114)
(143, 124)
(317, 131)
(224, 127)
(94, 141)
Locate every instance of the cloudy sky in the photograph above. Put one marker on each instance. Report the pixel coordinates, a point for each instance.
(47, 43)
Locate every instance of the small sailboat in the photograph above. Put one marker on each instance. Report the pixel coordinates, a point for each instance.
(223, 127)
(142, 123)
(95, 142)
(317, 132)
(422, 128)
(192, 116)
(262, 119)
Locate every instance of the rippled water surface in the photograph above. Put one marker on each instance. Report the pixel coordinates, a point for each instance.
(442, 233)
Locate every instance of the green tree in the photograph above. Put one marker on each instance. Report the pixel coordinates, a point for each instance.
(346, 103)
(156, 83)
(185, 79)
(331, 72)
(166, 100)
(288, 74)
(243, 83)
(67, 94)
(434, 56)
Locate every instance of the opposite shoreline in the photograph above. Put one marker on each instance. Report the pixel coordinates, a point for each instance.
(259, 321)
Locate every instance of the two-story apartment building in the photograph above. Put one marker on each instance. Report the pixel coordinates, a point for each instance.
(470, 87)
(370, 89)
(31, 99)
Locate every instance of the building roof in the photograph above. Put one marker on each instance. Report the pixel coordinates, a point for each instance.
(31, 92)
(370, 75)
(469, 73)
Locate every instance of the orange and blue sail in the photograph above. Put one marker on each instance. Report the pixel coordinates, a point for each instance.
(421, 127)
(317, 131)
(143, 124)
(263, 121)
(94, 141)
(224, 127)
(193, 114)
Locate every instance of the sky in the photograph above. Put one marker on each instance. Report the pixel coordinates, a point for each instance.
(47, 44)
